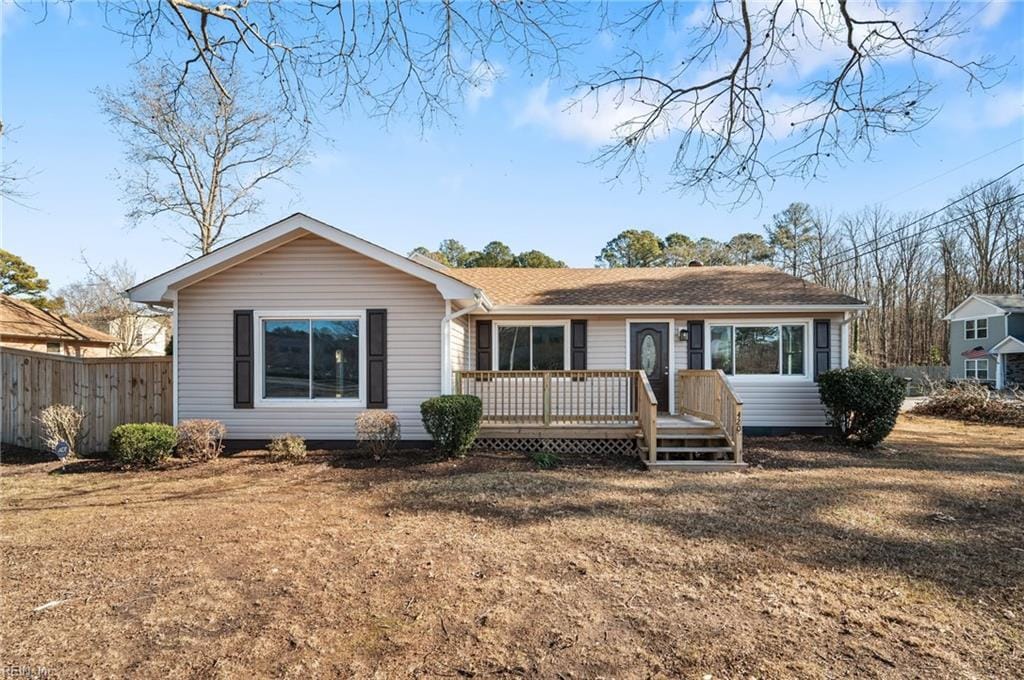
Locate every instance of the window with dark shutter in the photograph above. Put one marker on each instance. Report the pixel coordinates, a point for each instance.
(377, 358)
(243, 358)
(483, 345)
(822, 346)
(695, 345)
(578, 346)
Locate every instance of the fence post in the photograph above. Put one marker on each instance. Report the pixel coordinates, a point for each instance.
(547, 398)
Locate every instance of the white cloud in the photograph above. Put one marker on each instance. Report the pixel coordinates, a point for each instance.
(485, 76)
(986, 110)
(593, 118)
(994, 13)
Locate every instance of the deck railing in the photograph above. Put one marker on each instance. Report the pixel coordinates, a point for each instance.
(553, 397)
(708, 395)
(647, 416)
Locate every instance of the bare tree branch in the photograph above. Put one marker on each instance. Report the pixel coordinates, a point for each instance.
(197, 155)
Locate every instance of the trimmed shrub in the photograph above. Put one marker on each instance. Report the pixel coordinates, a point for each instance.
(142, 444)
(862, 404)
(453, 421)
(200, 439)
(974, 402)
(378, 431)
(61, 422)
(287, 447)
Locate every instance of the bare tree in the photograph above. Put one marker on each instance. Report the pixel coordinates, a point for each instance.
(197, 155)
(389, 55)
(751, 91)
(99, 301)
(735, 133)
(11, 175)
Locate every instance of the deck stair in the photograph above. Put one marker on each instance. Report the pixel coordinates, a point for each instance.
(688, 443)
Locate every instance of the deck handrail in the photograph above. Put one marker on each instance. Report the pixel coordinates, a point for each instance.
(573, 397)
(647, 415)
(707, 394)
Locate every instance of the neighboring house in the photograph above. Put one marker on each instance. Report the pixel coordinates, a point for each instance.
(142, 334)
(986, 340)
(298, 327)
(25, 326)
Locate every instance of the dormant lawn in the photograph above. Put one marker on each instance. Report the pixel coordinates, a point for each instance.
(819, 562)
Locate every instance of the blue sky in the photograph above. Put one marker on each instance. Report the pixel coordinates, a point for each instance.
(513, 167)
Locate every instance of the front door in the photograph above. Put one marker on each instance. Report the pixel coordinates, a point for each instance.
(649, 347)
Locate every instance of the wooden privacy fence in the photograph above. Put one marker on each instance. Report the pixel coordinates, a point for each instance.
(109, 391)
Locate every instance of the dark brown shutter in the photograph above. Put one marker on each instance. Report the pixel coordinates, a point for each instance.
(578, 345)
(822, 346)
(695, 345)
(243, 338)
(376, 358)
(483, 345)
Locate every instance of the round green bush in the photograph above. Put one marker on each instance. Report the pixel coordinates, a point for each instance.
(453, 421)
(142, 444)
(862, 404)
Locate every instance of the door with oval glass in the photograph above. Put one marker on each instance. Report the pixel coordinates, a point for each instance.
(649, 347)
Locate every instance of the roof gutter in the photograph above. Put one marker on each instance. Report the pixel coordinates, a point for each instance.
(670, 309)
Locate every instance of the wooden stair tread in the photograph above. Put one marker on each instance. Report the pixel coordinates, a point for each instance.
(694, 449)
(696, 465)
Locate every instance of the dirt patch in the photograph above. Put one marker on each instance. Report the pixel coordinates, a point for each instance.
(820, 562)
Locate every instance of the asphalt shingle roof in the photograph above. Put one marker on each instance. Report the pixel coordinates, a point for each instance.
(19, 318)
(649, 286)
(1008, 303)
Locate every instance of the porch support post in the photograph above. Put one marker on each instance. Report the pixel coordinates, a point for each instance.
(547, 398)
(1000, 368)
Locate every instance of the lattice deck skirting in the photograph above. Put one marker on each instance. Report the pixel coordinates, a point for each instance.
(601, 447)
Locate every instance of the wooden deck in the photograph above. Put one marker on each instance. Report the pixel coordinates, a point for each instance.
(609, 405)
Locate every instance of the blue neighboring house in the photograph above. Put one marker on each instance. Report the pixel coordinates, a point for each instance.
(986, 340)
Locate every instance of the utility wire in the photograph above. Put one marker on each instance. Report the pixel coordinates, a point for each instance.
(952, 170)
(931, 227)
(906, 226)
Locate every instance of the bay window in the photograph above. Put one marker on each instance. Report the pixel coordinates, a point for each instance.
(310, 358)
(758, 349)
(531, 347)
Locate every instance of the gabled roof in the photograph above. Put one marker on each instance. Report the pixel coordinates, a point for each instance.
(161, 289)
(24, 320)
(1008, 303)
(737, 287)
(998, 304)
(1011, 344)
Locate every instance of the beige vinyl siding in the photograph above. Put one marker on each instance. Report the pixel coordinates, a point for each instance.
(460, 344)
(768, 403)
(312, 274)
(784, 402)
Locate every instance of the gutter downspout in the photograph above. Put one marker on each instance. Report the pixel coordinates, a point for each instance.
(446, 339)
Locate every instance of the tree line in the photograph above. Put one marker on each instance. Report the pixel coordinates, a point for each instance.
(911, 269)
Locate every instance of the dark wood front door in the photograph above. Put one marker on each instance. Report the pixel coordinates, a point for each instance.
(649, 347)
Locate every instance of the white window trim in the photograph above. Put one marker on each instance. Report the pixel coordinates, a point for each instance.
(567, 340)
(671, 354)
(316, 314)
(977, 362)
(976, 329)
(808, 375)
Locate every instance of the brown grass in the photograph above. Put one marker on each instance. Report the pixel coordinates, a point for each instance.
(820, 562)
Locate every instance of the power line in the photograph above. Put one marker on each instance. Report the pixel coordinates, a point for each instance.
(925, 230)
(952, 170)
(929, 215)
